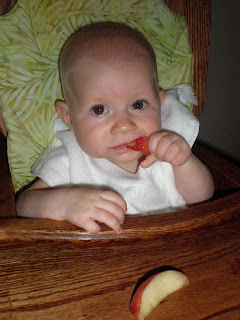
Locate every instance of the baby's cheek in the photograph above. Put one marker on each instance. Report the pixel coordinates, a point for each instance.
(92, 146)
(157, 125)
(84, 143)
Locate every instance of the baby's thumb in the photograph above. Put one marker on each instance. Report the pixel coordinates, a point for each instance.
(148, 161)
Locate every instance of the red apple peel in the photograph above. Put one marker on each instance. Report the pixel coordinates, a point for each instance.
(154, 289)
(140, 144)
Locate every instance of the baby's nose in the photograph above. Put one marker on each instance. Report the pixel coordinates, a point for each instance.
(123, 124)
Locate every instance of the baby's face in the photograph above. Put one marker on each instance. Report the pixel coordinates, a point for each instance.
(112, 105)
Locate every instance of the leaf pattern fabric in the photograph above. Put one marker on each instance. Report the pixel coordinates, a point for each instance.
(31, 37)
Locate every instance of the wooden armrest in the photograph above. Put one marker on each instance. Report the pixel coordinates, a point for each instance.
(138, 226)
(226, 175)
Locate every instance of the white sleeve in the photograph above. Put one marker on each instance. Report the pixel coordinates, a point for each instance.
(53, 167)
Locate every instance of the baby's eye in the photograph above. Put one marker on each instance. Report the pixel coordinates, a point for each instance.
(99, 109)
(139, 105)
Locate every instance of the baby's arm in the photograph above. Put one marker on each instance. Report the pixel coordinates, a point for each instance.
(193, 179)
(83, 207)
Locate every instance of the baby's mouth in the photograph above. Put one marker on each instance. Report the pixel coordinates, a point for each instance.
(131, 144)
(121, 147)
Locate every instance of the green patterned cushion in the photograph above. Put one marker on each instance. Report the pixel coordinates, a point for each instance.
(31, 38)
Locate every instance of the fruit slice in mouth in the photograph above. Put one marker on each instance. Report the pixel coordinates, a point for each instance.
(140, 144)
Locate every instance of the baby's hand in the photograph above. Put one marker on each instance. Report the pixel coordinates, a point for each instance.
(167, 146)
(86, 207)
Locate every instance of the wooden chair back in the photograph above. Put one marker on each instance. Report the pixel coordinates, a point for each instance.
(198, 15)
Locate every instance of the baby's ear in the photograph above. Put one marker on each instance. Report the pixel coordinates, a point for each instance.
(63, 111)
(162, 95)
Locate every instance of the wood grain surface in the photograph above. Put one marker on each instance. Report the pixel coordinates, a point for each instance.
(7, 202)
(6, 6)
(52, 270)
(198, 15)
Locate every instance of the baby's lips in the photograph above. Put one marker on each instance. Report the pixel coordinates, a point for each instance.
(140, 144)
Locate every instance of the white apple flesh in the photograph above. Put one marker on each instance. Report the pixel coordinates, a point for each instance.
(154, 289)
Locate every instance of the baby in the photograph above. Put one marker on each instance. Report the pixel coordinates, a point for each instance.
(111, 98)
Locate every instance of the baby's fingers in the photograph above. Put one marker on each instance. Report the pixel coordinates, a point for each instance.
(109, 219)
(90, 222)
(148, 161)
(114, 201)
(113, 210)
(180, 159)
(89, 225)
(177, 153)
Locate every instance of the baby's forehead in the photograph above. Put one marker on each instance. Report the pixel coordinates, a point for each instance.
(119, 49)
(106, 41)
(110, 43)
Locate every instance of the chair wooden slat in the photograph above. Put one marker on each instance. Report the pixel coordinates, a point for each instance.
(198, 15)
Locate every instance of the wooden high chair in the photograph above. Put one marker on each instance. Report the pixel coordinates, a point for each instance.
(54, 270)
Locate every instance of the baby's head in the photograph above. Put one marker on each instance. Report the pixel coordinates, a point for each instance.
(105, 42)
(109, 81)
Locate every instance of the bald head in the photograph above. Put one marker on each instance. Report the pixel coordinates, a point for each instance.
(107, 42)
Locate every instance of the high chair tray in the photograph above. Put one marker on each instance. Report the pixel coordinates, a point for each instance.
(52, 270)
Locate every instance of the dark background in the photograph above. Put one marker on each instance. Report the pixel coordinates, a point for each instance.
(220, 120)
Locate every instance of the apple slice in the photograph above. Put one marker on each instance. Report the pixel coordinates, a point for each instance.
(140, 144)
(154, 289)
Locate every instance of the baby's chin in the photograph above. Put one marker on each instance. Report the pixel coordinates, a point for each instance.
(127, 159)
(128, 163)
